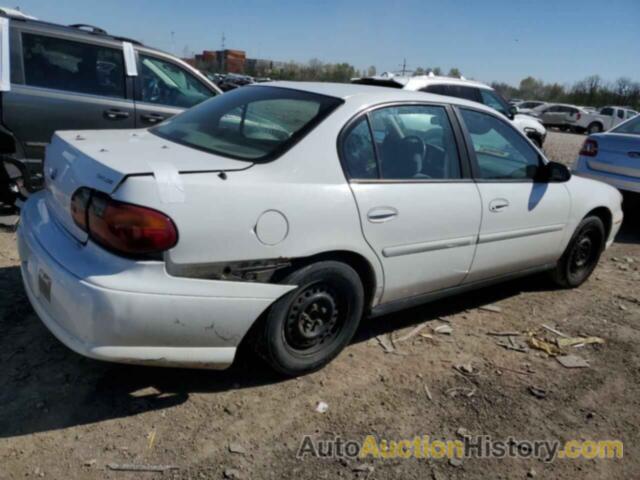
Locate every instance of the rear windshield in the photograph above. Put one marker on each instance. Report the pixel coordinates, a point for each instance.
(630, 126)
(250, 123)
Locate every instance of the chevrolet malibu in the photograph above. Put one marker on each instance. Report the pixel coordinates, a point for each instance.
(282, 214)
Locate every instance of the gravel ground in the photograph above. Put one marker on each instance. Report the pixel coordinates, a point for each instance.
(563, 147)
(63, 416)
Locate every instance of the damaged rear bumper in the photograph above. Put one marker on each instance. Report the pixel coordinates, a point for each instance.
(115, 309)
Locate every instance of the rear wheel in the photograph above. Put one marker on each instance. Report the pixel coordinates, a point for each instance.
(582, 254)
(594, 127)
(308, 327)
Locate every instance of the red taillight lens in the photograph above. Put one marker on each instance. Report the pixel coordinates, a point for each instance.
(578, 116)
(79, 204)
(122, 227)
(589, 148)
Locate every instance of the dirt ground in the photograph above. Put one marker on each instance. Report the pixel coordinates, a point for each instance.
(66, 417)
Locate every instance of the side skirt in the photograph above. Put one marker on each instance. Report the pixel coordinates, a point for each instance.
(404, 303)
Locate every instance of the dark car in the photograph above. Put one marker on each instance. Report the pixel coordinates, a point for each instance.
(80, 77)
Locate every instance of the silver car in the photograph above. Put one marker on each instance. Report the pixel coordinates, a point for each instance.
(613, 157)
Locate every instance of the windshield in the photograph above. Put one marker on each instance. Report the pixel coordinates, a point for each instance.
(250, 123)
(630, 126)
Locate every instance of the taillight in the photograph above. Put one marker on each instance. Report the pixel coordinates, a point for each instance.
(578, 116)
(123, 227)
(79, 204)
(589, 148)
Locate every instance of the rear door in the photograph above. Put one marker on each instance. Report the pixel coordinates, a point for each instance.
(164, 88)
(419, 208)
(62, 81)
(523, 221)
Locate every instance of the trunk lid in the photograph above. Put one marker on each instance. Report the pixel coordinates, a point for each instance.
(618, 153)
(101, 160)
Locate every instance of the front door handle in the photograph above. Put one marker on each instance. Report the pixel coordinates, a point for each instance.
(152, 117)
(382, 214)
(115, 114)
(498, 204)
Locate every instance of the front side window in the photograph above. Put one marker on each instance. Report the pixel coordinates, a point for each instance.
(72, 66)
(491, 99)
(415, 142)
(165, 83)
(631, 127)
(358, 151)
(620, 113)
(608, 111)
(250, 123)
(501, 152)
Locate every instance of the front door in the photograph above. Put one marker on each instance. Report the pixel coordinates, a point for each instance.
(163, 89)
(419, 210)
(64, 84)
(523, 221)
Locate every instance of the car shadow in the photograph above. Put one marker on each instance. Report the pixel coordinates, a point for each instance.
(630, 229)
(48, 387)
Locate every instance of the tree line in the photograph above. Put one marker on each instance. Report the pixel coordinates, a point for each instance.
(593, 91)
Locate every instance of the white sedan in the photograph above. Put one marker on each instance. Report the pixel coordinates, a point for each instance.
(283, 213)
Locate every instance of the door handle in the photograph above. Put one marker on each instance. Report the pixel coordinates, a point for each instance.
(152, 117)
(382, 214)
(498, 204)
(115, 114)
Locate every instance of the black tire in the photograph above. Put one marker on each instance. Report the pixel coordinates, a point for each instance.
(594, 127)
(582, 254)
(308, 327)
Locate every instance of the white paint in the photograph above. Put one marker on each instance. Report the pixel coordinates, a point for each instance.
(5, 59)
(272, 227)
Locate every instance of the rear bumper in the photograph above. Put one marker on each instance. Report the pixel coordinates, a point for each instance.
(120, 310)
(621, 182)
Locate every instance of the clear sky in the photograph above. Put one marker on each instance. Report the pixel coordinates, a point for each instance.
(504, 40)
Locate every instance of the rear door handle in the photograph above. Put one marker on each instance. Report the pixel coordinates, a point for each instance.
(498, 204)
(115, 114)
(152, 117)
(382, 214)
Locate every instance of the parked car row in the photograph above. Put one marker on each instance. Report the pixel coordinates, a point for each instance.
(576, 118)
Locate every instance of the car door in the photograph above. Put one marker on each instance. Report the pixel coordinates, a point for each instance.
(523, 220)
(63, 82)
(419, 208)
(551, 116)
(164, 88)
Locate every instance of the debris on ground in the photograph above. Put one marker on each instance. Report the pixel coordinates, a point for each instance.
(455, 462)
(443, 330)
(553, 330)
(572, 361)
(538, 392)
(541, 344)
(428, 392)
(130, 467)
(386, 343)
(363, 467)
(237, 448)
(491, 308)
(511, 333)
(411, 334)
(578, 341)
(462, 432)
(232, 474)
(510, 343)
(531, 473)
(465, 369)
(322, 407)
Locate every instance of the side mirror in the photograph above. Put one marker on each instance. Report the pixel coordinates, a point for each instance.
(512, 111)
(554, 172)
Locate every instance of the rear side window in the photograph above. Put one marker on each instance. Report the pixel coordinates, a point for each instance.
(415, 142)
(607, 111)
(168, 84)
(72, 66)
(250, 123)
(620, 113)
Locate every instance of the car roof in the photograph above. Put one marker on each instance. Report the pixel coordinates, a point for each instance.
(368, 95)
(419, 81)
(90, 31)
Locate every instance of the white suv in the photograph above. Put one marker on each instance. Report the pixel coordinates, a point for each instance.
(463, 88)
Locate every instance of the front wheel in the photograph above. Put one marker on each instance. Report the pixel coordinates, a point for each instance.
(594, 128)
(309, 326)
(582, 254)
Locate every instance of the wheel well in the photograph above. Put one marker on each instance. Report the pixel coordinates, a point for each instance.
(356, 261)
(596, 122)
(605, 215)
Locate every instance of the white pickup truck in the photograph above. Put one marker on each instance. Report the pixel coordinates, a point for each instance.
(605, 119)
